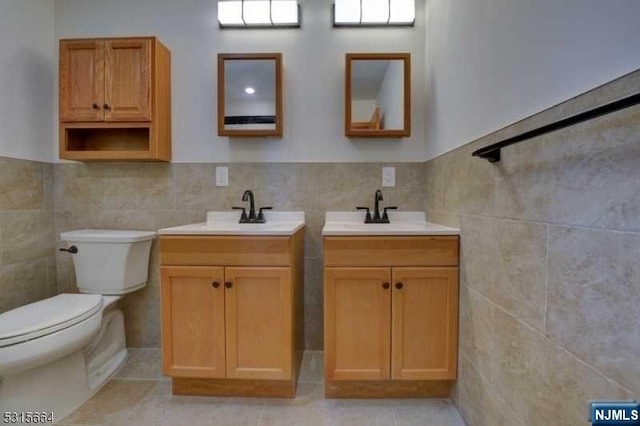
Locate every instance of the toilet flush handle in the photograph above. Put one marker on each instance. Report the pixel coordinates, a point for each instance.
(72, 249)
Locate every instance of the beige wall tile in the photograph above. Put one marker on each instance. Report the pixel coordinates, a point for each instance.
(505, 261)
(312, 368)
(468, 184)
(594, 299)
(477, 328)
(541, 382)
(114, 186)
(453, 221)
(21, 185)
(47, 186)
(142, 324)
(435, 184)
(23, 282)
(313, 284)
(52, 274)
(584, 175)
(26, 235)
(313, 234)
(480, 405)
(313, 323)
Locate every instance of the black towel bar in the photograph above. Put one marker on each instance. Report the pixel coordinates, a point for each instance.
(492, 152)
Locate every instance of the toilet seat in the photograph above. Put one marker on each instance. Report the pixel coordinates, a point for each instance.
(46, 317)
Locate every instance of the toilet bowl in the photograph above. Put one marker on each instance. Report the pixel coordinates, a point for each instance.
(58, 352)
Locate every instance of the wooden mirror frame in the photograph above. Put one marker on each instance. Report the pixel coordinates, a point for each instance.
(369, 133)
(277, 57)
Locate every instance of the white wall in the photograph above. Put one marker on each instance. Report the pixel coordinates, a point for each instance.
(27, 79)
(363, 109)
(250, 108)
(314, 76)
(391, 96)
(491, 63)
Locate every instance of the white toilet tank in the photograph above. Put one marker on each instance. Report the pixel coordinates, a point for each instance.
(110, 261)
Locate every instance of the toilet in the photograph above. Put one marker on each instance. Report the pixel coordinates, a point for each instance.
(58, 352)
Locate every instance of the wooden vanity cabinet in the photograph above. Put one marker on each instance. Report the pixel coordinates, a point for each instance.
(391, 316)
(115, 101)
(234, 328)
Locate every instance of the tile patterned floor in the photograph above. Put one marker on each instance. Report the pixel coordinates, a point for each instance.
(140, 396)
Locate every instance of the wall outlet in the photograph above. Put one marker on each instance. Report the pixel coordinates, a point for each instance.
(222, 176)
(388, 176)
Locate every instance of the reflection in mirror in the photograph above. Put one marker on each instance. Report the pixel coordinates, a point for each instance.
(378, 103)
(249, 98)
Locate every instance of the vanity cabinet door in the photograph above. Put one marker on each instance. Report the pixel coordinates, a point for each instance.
(424, 323)
(81, 80)
(258, 322)
(357, 323)
(128, 80)
(193, 321)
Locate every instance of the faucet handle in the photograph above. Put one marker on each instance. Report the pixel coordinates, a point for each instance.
(367, 218)
(243, 216)
(260, 218)
(385, 216)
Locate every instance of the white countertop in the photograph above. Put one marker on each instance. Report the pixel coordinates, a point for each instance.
(402, 223)
(226, 223)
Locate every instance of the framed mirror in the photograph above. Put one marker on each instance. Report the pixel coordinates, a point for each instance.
(250, 94)
(378, 95)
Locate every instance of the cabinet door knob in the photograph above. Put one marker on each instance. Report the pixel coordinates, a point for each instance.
(385, 286)
(228, 284)
(399, 286)
(95, 106)
(106, 106)
(215, 284)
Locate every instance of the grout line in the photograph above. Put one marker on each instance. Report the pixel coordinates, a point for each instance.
(539, 222)
(568, 225)
(1, 232)
(546, 281)
(556, 344)
(492, 390)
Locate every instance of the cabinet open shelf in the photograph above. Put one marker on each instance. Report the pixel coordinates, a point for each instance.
(136, 139)
(130, 143)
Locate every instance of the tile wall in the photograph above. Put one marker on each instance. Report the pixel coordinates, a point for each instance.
(27, 256)
(550, 278)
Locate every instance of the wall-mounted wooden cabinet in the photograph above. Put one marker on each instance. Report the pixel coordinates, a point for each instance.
(115, 100)
(232, 314)
(391, 316)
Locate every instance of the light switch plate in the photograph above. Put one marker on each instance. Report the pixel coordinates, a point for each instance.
(389, 176)
(222, 176)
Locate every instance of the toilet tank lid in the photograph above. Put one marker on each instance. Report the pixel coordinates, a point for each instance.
(106, 236)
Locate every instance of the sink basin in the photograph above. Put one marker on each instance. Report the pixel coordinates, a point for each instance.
(402, 223)
(226, 223)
